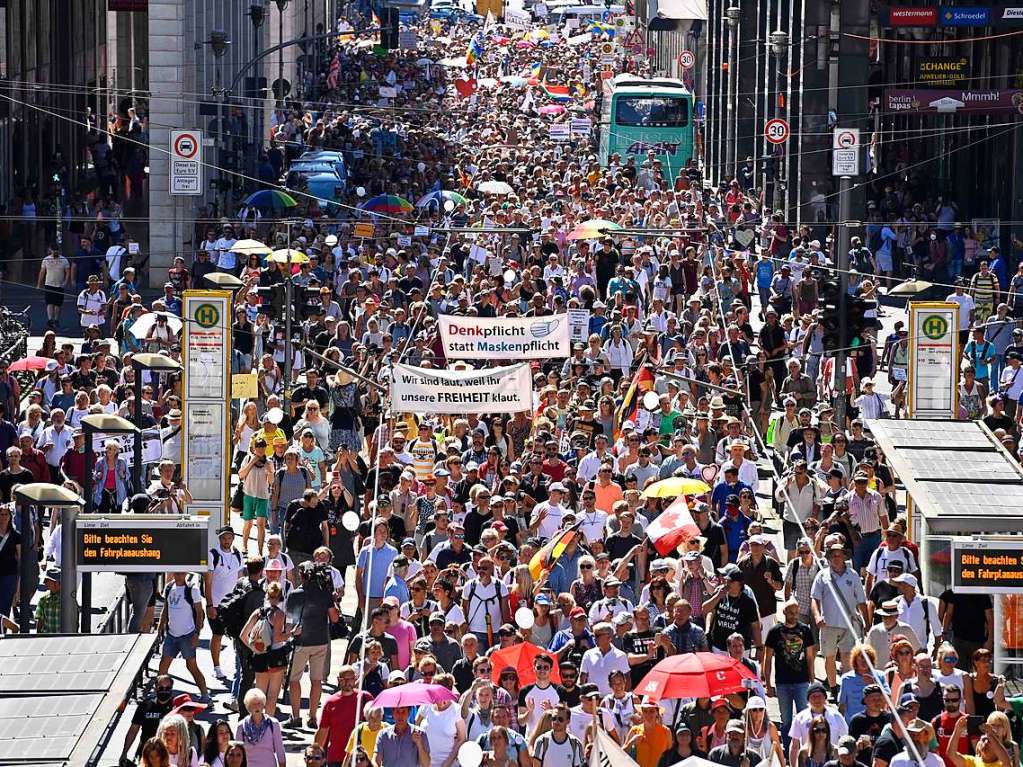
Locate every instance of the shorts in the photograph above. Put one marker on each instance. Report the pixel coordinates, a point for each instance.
(217, 626)
(313, 655)
(174, 646)
(834, 640)
(254, 507)
(791, 533)
(273, 660)
(53, 296)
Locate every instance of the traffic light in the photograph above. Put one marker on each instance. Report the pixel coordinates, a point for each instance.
(858, 321)
(830, 302)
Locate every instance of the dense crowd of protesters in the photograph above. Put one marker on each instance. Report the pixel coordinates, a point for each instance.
(440, 517)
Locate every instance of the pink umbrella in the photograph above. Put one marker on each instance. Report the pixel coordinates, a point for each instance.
(551, 109)
(525, 44)
(414, 694)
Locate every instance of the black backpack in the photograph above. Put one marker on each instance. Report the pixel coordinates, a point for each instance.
(232, 612)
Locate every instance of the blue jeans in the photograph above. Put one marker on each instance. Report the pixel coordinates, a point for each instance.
(995, 367)
(791, 694)
(862, 550)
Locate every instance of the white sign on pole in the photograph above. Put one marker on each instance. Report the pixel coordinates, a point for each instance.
(505, 338)
(205, 343)
(845, 156)
(933, 360)
(426, 390)
(206, 426)
(407, 39)
(518, 19)
(581, 126)
(186, 162)
(579, 324)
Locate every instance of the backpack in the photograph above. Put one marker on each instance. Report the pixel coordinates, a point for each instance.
(544, 744)
(231, 611)
(189, 599)
(261, 634)
(498, 585)
(215, 557)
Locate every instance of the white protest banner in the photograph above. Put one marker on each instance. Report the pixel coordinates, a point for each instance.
(585, 37)
(387, 92)
(581, 126)
(421, 231)
(579, 322)
(505, 338)
(518, 19)
(560, 132)
(497, 390)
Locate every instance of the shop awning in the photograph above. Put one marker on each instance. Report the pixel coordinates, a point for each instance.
(669, 15)
(959, 476)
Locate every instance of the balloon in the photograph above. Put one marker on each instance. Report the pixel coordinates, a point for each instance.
(275, 415)
(361, 191)
(510, 275)
(449, 205)
(350, 521)
(524, 618)
(421, 166)
(470, 754)
(651, 400)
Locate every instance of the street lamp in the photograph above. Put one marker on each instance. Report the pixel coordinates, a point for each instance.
(281, 7)
(158, 363)
(219, 44)
(732, 17)
(257, 15)
(41, 495)
(779, 49)
(92, 425)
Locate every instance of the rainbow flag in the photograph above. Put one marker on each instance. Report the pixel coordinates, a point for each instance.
(474, 52)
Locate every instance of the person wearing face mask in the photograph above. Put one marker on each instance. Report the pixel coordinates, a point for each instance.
(147, 716)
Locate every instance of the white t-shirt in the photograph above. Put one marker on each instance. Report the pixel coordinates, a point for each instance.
(592, 526)
(801, 724)
(548, 751)
(538, 695)
(225, 573)
(597, 666)
(905, 759)
(180, 614)
(483, 599)
(552, 522)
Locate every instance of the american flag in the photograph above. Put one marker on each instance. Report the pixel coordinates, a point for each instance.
(335, 72)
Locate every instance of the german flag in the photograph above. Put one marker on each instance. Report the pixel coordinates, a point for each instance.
(551, 552)
(642, 382)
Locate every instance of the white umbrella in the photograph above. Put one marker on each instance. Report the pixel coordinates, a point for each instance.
(141, 327)
(456, 62)
(251, 247)
(495, 187)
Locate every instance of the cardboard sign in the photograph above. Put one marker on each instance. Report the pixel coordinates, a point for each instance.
(363, 229)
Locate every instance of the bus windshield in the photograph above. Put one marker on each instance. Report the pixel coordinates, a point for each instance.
(652, 112)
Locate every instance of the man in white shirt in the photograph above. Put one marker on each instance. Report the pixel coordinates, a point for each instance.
(918, 611)
(540, 696)
(612, 605)
(547, 516)
(600, 661)
(817, 698)
(592, 519)
(223, 571)
(91, 304)
(747, 469)
(226, 260)
(55, 441)
(484, 597)
(590, 463)
(55, 274)
(182, 617)
(966, 307)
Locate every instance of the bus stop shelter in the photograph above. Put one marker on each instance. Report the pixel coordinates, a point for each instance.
(61, 696)
(963, 487)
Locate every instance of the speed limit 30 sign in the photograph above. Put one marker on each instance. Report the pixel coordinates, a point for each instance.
(776, 131)
(687, 59)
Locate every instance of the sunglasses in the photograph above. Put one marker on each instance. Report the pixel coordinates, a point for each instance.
(585, 567)
(484, 670)
(561, 719)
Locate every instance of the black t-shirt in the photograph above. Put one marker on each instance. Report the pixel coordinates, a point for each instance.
(308, 607)
(618, 545)
(8, 544)
(148, 715)
(715, 536)
(968, 619)
(302, 526)
(571, 697)
(888, 745)
(395, 529)
(304, 393)
(386, 641)
(638, 643)
(462, 672)
(9, 480)
(789, 644)
(734, 614)
(871, 726)
(448, 556)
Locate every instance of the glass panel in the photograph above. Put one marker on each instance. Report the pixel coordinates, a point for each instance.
(652, 112)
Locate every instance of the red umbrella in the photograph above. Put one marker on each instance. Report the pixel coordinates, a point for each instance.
(694, 675)
(520, 657)
(30, 363)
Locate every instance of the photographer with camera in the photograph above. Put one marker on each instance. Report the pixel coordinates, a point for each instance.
(310, 607)
(168, 495)
(305, 525)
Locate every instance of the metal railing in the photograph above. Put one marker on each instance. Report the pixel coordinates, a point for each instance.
(118, 613)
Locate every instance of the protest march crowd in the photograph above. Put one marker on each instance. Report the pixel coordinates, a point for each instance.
(636, 534)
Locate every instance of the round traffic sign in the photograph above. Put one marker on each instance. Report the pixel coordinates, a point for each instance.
(845, 139)
(186, 146)
(935, 327)
(687, 59)
(776, 131)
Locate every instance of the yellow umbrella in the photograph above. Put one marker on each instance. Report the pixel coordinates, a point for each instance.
(676, 486)
(289, 256)
(251, 247)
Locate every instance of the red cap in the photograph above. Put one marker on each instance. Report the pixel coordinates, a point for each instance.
(577, 612)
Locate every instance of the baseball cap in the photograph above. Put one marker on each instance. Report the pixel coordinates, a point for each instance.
(846, 745)
(815, 688)
(908, 579)
(577, 612)
(734, 725)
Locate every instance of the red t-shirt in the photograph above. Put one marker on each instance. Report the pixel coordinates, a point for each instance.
(944, 723)
(339, 717)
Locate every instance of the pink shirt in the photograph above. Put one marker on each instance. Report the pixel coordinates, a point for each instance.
(404, 633)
